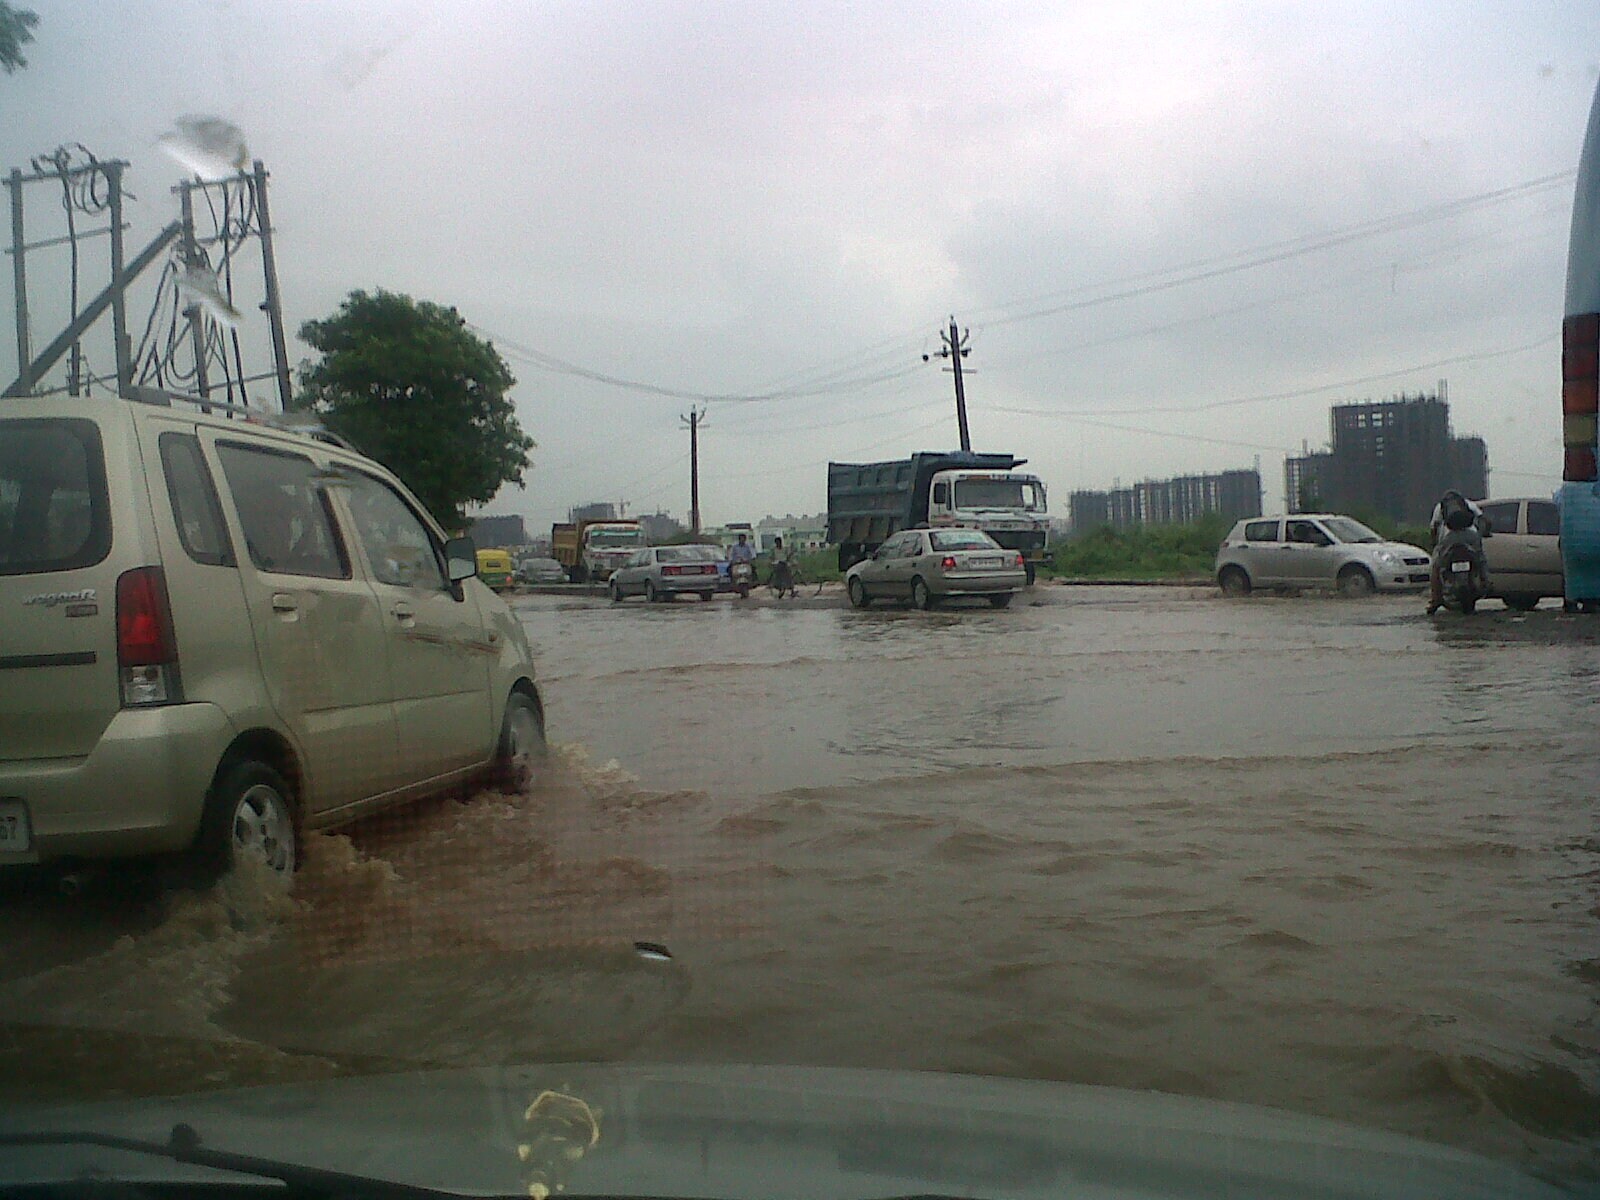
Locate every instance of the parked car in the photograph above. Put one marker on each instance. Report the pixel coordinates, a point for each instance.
(1524, 551)
(1316, 550)
(541, 570)
(495, 569)
(661, 573)
(217, 635)
(925, 566)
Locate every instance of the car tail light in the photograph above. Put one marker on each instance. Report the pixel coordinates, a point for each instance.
(147, 653)
(1580, 394)
(1021, 562)
(948, 563)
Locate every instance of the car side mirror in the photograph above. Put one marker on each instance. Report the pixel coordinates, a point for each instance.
(461, 558)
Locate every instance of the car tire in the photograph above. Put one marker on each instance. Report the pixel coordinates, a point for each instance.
(1356, 582)
(521, 747)
(706, 595)
(616, 592)
(1234, 582)
(1002, 599)
(857, 591)
(650, 593)
(921, 597)
(250, 810)
(1522, 603)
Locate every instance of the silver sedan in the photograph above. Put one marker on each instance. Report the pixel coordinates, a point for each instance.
(925, 566)
(660, 573)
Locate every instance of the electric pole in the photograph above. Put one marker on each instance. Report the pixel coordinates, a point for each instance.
(955, 349)
(693, 421)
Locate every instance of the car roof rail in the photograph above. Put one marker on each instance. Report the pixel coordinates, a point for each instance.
(307, 424)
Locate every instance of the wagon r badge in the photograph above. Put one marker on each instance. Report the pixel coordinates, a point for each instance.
(56, 599)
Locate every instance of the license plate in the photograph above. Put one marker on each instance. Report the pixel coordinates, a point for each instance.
(1461, 568)
(985, 564)
(16, 835)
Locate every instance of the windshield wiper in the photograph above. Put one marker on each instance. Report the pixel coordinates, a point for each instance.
(184, 1147)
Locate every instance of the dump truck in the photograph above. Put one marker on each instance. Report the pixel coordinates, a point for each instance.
(591, 550)
(868, 502)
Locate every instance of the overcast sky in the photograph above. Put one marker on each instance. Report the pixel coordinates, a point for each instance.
(1177, 232)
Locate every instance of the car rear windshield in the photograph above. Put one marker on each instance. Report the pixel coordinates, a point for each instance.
(687, 554)
(963, 539)
(54, 514)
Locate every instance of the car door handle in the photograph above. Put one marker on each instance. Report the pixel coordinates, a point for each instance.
(405, 614)
(283, 602)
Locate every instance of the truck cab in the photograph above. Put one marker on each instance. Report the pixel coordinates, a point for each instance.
(1009, 503)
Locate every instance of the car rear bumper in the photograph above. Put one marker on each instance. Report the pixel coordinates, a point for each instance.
(139, 791)
(978, 583)
(689, 583)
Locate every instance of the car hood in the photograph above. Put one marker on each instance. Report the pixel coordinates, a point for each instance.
(747, 1131)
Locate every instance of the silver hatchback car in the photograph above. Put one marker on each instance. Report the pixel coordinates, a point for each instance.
(1316, 550)
(925, 566)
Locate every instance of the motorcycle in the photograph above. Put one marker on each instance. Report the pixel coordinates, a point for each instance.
(743, 577)
(1463, 578)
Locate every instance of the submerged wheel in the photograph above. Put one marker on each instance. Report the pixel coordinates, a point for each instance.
(521, 746)
(616, 592)
(650, 593)
(1355, 582)
(921, 597)
(1001, 599)
(1234, 582)
(249, 814)
(858, 592)
(1522, 603)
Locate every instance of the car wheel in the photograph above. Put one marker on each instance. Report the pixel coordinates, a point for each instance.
(650, 593)
(1001, 599)
(1522, 603)
(921, 597)
(521, 746)
(616, 592)
(249, 813)
(858, 592)
(1355, 582)
(1234, 582)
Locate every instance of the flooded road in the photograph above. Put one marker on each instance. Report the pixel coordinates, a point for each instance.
(1330, 856)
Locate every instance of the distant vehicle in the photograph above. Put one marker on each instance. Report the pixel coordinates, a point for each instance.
(541, 570)
(868, 503)
(662, 573)
(1316, 550)
(925, 566)
(1524, 551)
(219, 635)
(1580, 386)
(593, 549)
(495, 569)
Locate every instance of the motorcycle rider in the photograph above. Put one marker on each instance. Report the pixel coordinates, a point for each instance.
(1456, 521)
(782, 568)
(741, 552)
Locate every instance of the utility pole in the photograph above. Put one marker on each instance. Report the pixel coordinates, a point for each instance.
(955, 349)
(693, 421)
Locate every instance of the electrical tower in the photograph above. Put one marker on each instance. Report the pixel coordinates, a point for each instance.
(955, 349)
(191, 346)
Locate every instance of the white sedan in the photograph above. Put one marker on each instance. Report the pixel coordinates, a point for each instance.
(925, 566)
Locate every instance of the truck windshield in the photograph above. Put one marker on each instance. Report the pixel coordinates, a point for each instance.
(605, 538)
(999, 493)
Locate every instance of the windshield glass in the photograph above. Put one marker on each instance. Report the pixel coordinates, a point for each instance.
(1347, 530)
(611, 539)
(687, 554)
(998, 493)
(1129, 841)
(962, 539)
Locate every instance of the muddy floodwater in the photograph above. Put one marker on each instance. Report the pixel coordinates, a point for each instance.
(1325, 855)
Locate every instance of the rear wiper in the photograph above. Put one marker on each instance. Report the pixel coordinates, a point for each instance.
(184, 1147)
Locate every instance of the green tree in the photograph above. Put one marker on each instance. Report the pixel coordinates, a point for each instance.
(409, 385)
(16, 26)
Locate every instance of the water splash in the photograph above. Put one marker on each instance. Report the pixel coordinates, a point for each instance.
(210, 147)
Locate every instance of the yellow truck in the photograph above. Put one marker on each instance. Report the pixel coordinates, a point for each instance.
(591, 550)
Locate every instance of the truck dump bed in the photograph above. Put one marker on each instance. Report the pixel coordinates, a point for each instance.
(869, 501)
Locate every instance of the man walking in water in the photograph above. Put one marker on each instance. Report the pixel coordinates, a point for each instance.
(782, 570)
